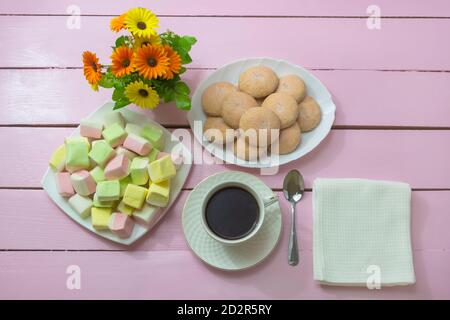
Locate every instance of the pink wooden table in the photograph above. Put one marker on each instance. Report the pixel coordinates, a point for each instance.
(391, 87)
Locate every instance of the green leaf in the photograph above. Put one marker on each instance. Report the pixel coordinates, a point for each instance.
(183, 102)
(121, 103)
(182, 88)
(182, 70)
(191, 40)
(120, 41)
(106, 82)
(118, 94)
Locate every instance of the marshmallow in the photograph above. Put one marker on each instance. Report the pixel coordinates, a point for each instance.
(123, 184)
(81, 205)
(91, 129)
(101, 152)
(133, 128)
(161, 169)
(158, 193)
(98, 174)
(100, 218)
(114, 117)
(102, 204)
(148, 215)
(58, 159)
(83, 183)
(154, 134)
(108, 190)
(122, 207)
(121, 150)
(137, 144)
(138, 171)
(134, 196)
(114, 134)
(121, 225)
(77, 154)
(153, 154)
(117, 168)
(64, 184)
(177, 158)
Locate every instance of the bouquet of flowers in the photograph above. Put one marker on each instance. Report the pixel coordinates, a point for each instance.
(145, 66)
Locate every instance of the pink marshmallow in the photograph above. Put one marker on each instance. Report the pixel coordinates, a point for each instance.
(91, 129)
(64, 184)
(121, 224)
(83, 183)
(117, 168)
(137, 144)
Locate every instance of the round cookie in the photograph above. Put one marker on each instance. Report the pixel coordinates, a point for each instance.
(215, 130)
(213, 96)
(284, 106)
(255, 119)
(289, 140)
(234, 106)
(258, 81)
(294, 86)
(309, 114)
(247, 152)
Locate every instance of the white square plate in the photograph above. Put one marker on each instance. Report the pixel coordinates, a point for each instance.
(230, 73)
(49, 185)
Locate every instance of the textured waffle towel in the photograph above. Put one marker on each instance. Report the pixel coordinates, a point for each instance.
(361, 232)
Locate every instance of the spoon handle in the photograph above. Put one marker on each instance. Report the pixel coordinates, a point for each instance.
(293, 247)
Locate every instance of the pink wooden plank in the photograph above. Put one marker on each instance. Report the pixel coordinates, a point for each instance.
(62, 96)
(331, 43)
(417, 157)
(236, 7)
(180, 275)
(46, 227)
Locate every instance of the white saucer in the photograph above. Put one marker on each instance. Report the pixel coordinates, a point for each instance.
(215, 254)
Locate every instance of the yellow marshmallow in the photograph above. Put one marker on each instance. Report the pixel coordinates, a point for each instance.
(100, 217)
(58, 158)
(158, 193)
(162, 169)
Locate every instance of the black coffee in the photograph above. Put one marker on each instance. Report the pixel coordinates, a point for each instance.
(232, 213)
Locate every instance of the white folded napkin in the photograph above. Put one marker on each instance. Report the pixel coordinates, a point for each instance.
(361, 232)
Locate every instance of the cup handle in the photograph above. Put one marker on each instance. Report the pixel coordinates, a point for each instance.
(269, 200)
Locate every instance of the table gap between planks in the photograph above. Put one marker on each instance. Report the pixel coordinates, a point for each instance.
(392, 123)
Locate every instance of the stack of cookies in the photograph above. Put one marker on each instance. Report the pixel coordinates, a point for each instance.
(278, 110)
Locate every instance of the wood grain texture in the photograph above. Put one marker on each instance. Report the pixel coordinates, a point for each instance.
(46, 227)
(180, 275)
(404, 8)
(402, 155)
(363, 98)
(328, 41)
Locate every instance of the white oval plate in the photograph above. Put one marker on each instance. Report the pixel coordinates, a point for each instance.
(220, 256)
(230, 73)
(177, 182)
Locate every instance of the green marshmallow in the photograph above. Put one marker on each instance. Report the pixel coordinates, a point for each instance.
(154, 135)
(133, 128)
(152, 155)
(77, 154)
(102, 204)
(114, 135)
(138, 171)
(123, 184)
(101, 152)
(108, 191)
(98, 174)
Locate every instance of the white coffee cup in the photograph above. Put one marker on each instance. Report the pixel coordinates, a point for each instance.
(263, 203)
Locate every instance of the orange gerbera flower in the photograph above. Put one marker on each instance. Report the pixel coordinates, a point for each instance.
(151, 61)
(122, 61)
(118, 23)
(91, 68)
(174, 62)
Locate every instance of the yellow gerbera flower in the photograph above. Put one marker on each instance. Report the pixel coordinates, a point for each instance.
(142, 95)
(140, 42)
(174, 62)
(91, 68)
(151, 61)
(141, 22)
(118, 23)
(122, 61)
